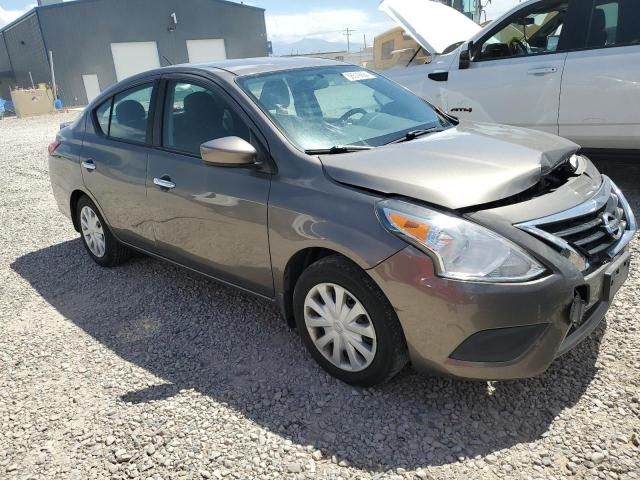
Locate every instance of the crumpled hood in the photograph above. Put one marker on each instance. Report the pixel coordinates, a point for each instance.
(464, 166)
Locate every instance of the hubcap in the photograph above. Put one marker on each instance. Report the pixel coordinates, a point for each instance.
(92, 231)
(340, 327)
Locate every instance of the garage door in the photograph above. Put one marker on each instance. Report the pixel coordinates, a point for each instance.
(130, 58)
(91, 86)
(207, 50)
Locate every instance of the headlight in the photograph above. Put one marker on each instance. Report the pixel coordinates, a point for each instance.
(462, 250)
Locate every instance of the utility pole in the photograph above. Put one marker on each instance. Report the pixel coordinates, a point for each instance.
(479, 10)
(348, 32)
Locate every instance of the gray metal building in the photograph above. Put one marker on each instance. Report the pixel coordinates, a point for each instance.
(98, 42)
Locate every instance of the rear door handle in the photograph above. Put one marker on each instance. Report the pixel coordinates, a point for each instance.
(164, 183)
(89, 165)
(542, 71)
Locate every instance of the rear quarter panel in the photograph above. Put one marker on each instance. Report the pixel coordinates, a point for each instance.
(64, 165)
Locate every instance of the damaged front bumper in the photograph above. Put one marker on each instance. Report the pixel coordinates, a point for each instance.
(504, 330)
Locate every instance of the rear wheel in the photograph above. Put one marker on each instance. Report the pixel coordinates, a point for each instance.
(100, 244)
(347, 323)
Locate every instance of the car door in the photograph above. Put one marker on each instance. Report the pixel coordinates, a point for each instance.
(114, 161)
(214, 218)
(601, 83)
(516, 70)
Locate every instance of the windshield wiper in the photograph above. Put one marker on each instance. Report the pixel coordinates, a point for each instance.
(413, 134)
(337, 149)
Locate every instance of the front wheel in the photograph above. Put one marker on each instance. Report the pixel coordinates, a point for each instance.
(100, 244)
(347, 323)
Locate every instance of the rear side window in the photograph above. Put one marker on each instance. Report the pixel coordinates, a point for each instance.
(103, 114)
(130, 114)
(614, 23)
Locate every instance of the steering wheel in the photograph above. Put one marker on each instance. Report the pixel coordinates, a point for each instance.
(351, 113)
(517, 47)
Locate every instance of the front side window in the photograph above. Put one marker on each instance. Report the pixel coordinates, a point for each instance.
(130, 115)
(319, 108)
(533, 33)
(614, 23)
(194, 115)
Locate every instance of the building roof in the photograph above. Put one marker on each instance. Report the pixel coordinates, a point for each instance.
(72, 3)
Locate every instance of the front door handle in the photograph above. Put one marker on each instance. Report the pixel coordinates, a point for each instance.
(89, 165)
(164, 183)
(543, 71)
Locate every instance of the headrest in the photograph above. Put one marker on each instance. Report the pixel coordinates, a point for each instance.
(200, 104)
(130, 111)
(599, 21)
(275, 94)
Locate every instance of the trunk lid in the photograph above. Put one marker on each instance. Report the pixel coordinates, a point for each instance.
(433, 25)
(464, 166)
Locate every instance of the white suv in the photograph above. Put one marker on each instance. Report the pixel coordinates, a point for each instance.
(569, 67)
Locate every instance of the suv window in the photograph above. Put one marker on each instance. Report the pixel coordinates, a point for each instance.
(529, 33)
(194, 115)
(130, 117)
(614, 23)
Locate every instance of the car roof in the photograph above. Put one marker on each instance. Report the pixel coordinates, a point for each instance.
(252, 66)
(230, 68)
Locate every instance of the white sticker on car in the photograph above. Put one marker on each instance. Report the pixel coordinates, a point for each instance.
(358, 76)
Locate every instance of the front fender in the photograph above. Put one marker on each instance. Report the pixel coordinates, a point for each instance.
(328, 216)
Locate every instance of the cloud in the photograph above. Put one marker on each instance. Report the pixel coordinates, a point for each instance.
(8, 16)
(326, 25)
(498, 7)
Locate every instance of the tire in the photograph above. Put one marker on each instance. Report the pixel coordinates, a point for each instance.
(113, 252)
(385, 347)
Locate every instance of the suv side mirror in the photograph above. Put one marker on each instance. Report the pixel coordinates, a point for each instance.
(228, 152)
(465, 56)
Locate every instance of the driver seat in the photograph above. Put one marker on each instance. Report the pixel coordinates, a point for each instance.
(275, 96)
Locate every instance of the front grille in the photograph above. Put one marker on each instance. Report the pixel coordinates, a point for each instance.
(588, 233)
(591, 233)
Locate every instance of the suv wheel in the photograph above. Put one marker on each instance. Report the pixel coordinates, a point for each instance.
(347, 323)
(100, 244)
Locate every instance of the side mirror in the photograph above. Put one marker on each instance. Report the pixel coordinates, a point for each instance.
(228, 152)
(465, 56)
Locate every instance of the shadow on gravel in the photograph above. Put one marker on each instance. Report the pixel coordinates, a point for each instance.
(197, 334)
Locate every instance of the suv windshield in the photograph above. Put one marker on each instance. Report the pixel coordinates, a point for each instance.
(322, 108)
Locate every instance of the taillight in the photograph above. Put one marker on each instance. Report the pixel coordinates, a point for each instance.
(53, 146)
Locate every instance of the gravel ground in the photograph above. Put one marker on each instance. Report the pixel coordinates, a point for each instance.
(148, 371)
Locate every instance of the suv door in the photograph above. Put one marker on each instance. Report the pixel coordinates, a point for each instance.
(215, 218)
(600, 88)
(114, 154)
(516, 70)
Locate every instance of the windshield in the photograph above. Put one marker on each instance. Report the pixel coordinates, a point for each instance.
(320, 108)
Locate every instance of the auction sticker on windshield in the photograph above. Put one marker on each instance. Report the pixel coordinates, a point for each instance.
(357, 76)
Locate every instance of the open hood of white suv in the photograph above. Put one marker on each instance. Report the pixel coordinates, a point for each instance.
(433, 25)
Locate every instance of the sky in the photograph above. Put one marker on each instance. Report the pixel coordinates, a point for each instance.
(289, 21)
